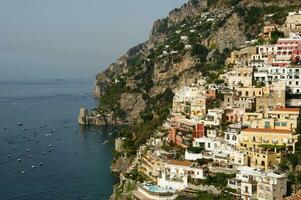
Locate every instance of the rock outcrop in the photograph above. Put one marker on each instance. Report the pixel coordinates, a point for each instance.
(171, 57)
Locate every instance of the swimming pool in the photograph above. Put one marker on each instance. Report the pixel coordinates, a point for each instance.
(157, 189)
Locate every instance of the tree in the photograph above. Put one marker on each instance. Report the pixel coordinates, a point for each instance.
(200, 51)
(275, 35)
(283, 166)
(293, 159)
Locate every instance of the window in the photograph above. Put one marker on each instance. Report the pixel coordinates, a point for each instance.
(283, 124)
(277, 123)
(267, 124)
(262, 163)
(246, 189)
(228, 137)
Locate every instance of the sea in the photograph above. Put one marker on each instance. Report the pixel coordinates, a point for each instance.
(44, 153)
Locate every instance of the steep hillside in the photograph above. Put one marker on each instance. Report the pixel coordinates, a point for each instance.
(192, 42)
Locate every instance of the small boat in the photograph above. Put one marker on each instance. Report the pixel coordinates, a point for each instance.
(9, 156)
(40, 164)
(33, 167)
(23, 172)
(110, 133)
(105, 142)
(19, 159)
(25, 129)
(20, 124)
(43, 153)
(27, 150)
(49, 145)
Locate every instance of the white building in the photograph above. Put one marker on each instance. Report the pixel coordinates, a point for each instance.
(232, 135)
(254, 184)
(175, 174)
(293, 82)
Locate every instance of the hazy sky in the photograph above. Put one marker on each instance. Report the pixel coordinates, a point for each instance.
(72, 38)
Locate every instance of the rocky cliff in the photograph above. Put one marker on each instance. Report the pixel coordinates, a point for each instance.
(191, 43)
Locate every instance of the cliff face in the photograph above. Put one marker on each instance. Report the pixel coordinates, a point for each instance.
(191, 42)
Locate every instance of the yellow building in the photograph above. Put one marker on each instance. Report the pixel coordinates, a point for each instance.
(283, 118)
(250, 92)
(272, 98)
(240, 77)
(150, 165)
(264, 158)
(243, 54)
(292, 23)
(252, 138)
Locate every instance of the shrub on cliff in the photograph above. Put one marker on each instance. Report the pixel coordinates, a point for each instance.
(200, 51)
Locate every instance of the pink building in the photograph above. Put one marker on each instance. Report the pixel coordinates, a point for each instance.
(235, 115)
(288, 48)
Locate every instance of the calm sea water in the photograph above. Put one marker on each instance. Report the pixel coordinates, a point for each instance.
(77, 168)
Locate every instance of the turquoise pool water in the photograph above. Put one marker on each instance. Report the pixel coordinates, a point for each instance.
(157, 189)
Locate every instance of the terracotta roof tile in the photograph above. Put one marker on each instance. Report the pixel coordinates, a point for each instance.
(180, 162)
(288, 109)
(294, 197)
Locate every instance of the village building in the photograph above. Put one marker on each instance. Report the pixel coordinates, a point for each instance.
(292, 23)
(273, 97)
(254, 138)
(240, 77)
(252, 183)
(176, 174)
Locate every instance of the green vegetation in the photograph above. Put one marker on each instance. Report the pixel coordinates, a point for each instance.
(135, 175)
(153, 116)
(195, 149)
(272, 146)
(110, 101)
(211, 2)
(254, 17)
(203, 161)
(259, 84)
(209, 196)
(163, 26)
(275, 35)
(219, 180)
(283, 166)
(200, 51)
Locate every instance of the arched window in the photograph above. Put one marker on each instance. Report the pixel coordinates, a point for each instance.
(234, 137)
(228, 137)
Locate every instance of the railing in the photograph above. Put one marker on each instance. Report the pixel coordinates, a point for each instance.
(163, 194)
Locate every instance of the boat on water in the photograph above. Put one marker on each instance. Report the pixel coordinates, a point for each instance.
(105, 142)
(20, 124)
